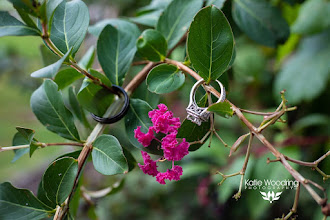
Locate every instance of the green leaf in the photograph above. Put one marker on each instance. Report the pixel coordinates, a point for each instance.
(48, 57)
(152, 45)
(306, 73)
(51, 70)
(116, 49)
(165, 78)
(131, 162)
(66, 77)
(261, 21)
(222, 108)
(29, 6)
(87, 60)
(154, 5)
(69, 25)
(311, 120)
(95, 98)
(41, 195)
(192, 132)
(176, 18)
(148, 19)
(59, 178)
(47, 104)
(313, 17)
(76, 108)
(10, 26)
(28, 134)
(21, 204)
(143, 93)
(108, 156)
(51, 5)
(26, 18)
(218, 3)
(210, 43)
(20, 140)
(137, 115)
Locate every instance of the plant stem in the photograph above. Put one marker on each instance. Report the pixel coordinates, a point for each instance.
(41, 145)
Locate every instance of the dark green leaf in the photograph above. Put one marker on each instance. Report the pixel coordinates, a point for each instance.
(87, 60)
(210, 43)
(41, 195)
(116, 49)
(222, 108)
(192, 132)
(108, 156)
(165, 78)
(69, 25)
(154, 5)
(131, 162)
(313, 17)
(66, 77)
(143, 93)
(306, 73)
(51, 70)
(95, 98)
(137, 115)
(59, 178)
(10, 26)
(76, 108)
(261, 21)
(21, 204)
(151, 45)
(73, 154)
(175, 20)
(20, 140)
(26, 18)
(47, 104)
(218, 3)
(28, 134)
(29, 6)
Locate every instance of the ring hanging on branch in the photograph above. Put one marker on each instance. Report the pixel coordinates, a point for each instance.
(122, 112)
(198, 114)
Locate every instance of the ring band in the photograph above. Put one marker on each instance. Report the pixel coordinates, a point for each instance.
(198, 114)
(122, 112)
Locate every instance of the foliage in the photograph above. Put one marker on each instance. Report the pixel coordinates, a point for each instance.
(271, 45)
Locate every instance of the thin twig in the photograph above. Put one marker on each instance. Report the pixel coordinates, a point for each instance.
(40, 145)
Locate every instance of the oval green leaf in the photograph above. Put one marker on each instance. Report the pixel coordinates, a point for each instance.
(116, 49)
(210, 43)
(108, 156)
(59, 178)
(222, 108)
(69, 25)
(176, 18)
(165, 78)
(48, 106)
(21, 204)
(261, 21)
(152, 45)
(66, 77)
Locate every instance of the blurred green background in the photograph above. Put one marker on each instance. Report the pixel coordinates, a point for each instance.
(253, 83)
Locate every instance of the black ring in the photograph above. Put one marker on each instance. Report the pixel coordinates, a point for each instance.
(118, 116)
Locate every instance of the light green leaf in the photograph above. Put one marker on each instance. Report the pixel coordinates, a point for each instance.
(222, 108)
(261, 21)
(137, 115)
(313, 17)
(51, 70)
(21, 204)
(87, 60)
(108, 156)
(306, 73)
(69, 25)
(218, 3)
(116, 49)
(47, 104)
(59, 178)
(165, 78)
(10, 26)
(51, 5)
(95, 98)
(152, 46)
(210, 43)
(148, 19)
(154, 5)
(176, 18)
(66, 77)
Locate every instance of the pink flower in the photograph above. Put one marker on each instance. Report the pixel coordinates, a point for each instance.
(170, 174)
(172, 150)
(144, 139)
(163, 120)
(150, 166)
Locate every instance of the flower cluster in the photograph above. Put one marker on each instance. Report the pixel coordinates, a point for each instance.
(163, 122)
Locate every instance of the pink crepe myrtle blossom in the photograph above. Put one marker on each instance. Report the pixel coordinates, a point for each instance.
(163, 122)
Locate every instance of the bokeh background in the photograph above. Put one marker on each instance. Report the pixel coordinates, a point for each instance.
(253, 84)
